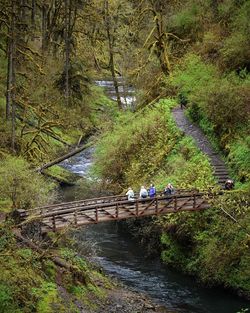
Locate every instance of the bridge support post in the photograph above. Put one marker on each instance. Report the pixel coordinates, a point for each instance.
(75, 217)
(175, 203)
(156, 206)
(96, 214)
(194, 201)
(116, 211)
(54, 223)
(137, 208)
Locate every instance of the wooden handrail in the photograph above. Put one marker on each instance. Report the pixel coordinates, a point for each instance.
(108, 198)
(112, 204)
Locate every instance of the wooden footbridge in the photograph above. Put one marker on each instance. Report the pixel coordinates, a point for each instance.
(77, 213)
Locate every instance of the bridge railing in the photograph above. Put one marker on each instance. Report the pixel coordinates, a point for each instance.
(113, 207)
(124, 209)
(95, 201)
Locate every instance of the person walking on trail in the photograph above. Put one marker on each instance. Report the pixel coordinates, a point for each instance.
(182, 100)
(229, 184)
(152, 191)
(169, 189)
(130, 193)
(143, 192)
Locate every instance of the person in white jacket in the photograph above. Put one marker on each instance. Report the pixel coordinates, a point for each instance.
(130, 194)
(143, 192)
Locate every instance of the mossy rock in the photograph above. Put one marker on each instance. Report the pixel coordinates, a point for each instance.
(61, 175)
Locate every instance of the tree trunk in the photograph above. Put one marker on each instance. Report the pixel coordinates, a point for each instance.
(67, 48)
(13, 78)
(214, 5)
(65, 156)
(162, 52)
(111, 53)
(44, 28)
(9, 77)
(33, 12)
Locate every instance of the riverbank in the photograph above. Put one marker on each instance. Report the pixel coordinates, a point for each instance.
(121, 299)
(48, 279)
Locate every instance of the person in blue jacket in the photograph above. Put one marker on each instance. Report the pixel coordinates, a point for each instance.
(169, 189)
(152, 191)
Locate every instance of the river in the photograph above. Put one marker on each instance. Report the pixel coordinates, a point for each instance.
(123, 258)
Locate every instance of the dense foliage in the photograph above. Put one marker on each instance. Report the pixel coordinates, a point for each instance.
(212, 245)
(21, 187)
(138, 151)
(51, 53)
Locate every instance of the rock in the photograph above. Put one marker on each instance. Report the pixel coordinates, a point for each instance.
(149, 306)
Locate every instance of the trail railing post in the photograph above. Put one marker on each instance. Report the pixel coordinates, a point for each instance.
(137, 208)
(156, 206)
(175, 203)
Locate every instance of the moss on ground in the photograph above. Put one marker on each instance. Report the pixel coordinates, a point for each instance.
(30, 282)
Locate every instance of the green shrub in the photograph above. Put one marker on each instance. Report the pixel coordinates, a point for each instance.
(186, 167)
(213, 246)
(20, 184)
(235, 53)
(7, 303)
(187, 22)
(225, 106)
(239, 157)
(192, 75)
(219, 106)
(135, 149)
(172, 253)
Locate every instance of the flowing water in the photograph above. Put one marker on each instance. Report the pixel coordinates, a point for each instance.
(122, 257)
(127, 93)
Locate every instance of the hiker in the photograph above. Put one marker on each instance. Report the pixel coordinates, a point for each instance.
(229, 184)
(169, 189)
(182, 100)
(152, 191)
(130, 194)
(143, 192)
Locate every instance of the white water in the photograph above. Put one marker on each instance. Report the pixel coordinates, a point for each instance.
(127, 96)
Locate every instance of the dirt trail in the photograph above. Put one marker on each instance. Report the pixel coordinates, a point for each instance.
(220, 168)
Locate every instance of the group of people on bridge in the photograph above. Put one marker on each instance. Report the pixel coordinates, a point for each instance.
(168, 190)
(150, 192)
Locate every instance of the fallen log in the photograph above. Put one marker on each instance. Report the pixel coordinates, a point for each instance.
(65, 156)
